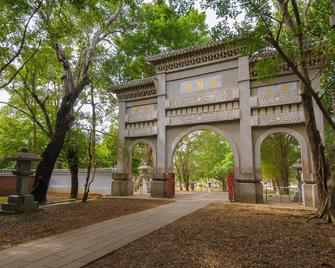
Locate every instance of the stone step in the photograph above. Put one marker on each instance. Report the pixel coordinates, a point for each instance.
(20, 199)
(9, 207)
(20, 207)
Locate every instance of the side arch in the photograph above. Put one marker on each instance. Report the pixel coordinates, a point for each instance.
(301, 141)
(131, 146)
(223, 133)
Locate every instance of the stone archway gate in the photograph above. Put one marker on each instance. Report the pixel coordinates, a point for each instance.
(214, 87)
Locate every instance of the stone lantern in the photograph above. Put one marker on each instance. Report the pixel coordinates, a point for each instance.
(21, 201)
(145, 176)
(298, 195)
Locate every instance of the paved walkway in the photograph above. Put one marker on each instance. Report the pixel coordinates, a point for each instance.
(81, 246)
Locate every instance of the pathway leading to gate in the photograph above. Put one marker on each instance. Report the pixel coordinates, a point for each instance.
(81, 246)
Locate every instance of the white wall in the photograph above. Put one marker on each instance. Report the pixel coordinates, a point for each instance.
(102, 184)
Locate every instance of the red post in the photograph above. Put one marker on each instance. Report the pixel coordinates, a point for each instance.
(230, 181)
(170, 185)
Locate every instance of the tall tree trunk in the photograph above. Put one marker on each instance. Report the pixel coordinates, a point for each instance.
(49, 156)
(331, 189)
(283, 163)
(72, 159)
(91, 150)
(318, 154)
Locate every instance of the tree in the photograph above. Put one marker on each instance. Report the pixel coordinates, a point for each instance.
(91, 149)
(74, 80)
(279, 152)
(16, 20)
(183, 163)
(223, 168)
(203, 155)
(292, 29)
(150, 29)
(141, 155)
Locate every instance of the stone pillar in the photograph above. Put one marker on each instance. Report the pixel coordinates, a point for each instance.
(161, 125)
(248, 188)
(316, 83)
(159, 186)
(121, 185)
(310, 192)
(309, 187)
(121, 159)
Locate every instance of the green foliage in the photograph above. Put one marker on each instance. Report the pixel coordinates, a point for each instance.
(204, 154)
(17, 132)
(279, 152)
(139, 156)
(143, 30)
(150, 29)
(106, 151)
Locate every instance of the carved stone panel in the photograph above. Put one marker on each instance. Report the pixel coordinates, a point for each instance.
(204, 117)
(141, 113)
(208, 96)
(277, 95)
(139, 132)
(278, 119)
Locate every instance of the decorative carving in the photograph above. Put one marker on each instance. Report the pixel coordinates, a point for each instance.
(135, 89)
(278, 94)
(142, 117)
(137, 93)
(199, 98)
(204, 117)
(185, 57)
(278, 119)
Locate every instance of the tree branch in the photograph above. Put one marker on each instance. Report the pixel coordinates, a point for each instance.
(21, 67)
(32, 116)
(306, 83)
(37, 100)
(23, 39)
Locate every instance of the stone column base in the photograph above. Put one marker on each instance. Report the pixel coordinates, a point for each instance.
(249, 192)
(310, 194)
(159, 186)
(121, 185)
(19, 204)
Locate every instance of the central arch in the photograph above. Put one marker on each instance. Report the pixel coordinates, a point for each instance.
(189, 130)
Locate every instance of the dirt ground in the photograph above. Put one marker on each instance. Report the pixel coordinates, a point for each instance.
(52, 220)
(55, 197)
(223, 235)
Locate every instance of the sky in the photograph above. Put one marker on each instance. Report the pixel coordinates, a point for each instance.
(211, 21)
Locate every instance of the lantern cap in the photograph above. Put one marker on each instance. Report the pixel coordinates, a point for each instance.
(24, 155)
(297, 164)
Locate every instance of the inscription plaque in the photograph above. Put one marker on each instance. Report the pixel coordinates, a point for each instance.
(200, 84)
(278, 94)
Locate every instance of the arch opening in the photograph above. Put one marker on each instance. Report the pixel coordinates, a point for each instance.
(141, 166)
(202, 160)
(281, 169)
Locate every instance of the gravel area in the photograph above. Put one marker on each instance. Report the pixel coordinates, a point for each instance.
(222, 235)
(52, 220)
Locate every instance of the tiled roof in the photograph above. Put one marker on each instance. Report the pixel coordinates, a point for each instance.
(192, 49)
(132, 84)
